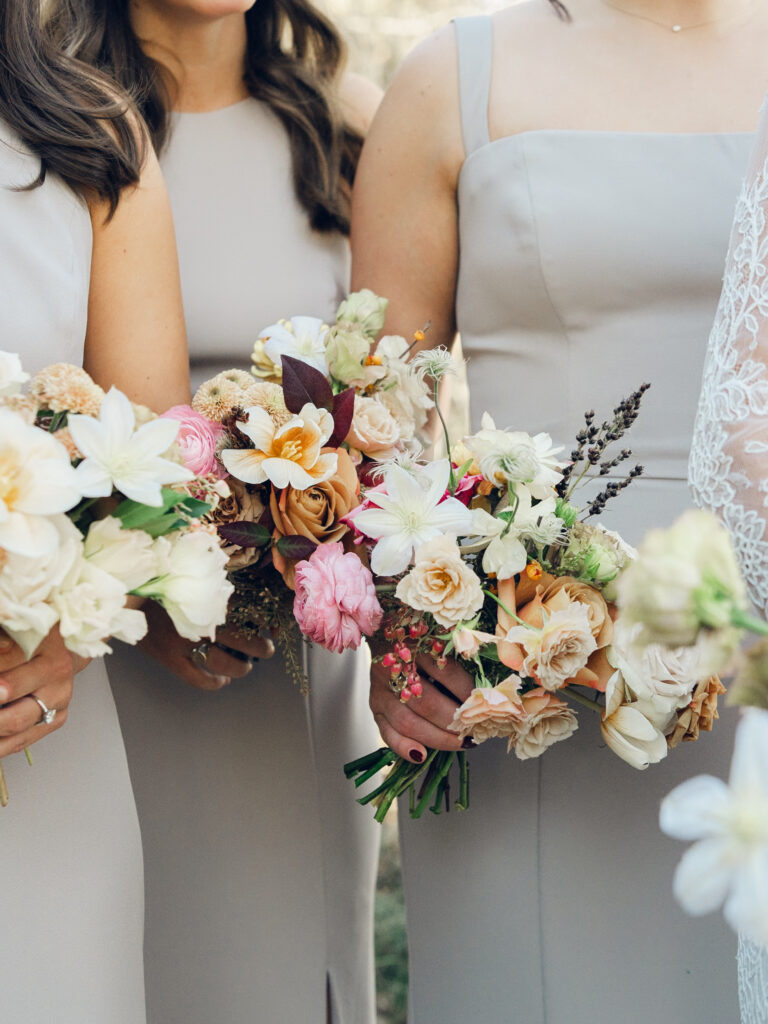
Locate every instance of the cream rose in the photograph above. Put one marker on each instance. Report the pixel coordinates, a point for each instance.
(547, 720)
(489, 712)
(440, 583)
(374, 430)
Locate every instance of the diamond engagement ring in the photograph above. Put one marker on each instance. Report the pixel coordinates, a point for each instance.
(48, 713)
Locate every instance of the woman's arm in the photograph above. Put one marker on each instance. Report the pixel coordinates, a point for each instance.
(136, 339)
(404, 222)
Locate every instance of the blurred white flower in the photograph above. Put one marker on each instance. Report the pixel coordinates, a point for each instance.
(192, 584)
(514, 457)
(630, 727)
(118, 456)
(685, 583)
(303, 337)
(128, 555)
(12, 376)
(667, 676)
(728, 863)
(36, 482)
(412, 511)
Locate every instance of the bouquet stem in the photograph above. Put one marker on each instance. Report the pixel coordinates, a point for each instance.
(403, 777)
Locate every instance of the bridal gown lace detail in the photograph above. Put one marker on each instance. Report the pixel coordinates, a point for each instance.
(728, 468)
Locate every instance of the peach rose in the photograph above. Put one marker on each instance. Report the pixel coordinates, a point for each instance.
(316, 512)
(547, 720)
(553, 593)
(554, 652)
(489, 712)
(441, 583)
(374, 430)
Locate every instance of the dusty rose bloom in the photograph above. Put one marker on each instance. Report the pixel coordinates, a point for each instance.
(490, 711)
(547, 720)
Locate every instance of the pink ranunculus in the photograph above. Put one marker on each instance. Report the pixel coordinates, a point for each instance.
(336, 599)
(197, 440)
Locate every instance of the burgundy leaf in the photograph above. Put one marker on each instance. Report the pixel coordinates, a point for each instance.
(343, 410)
(303, 383)
(296, 547)
(245, 535)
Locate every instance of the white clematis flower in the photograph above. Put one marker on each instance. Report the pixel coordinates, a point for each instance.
(506, 554)
(303, 337)
(410, 513)
(118, 456)
(36, 481)
(12, 376)
(728, 864)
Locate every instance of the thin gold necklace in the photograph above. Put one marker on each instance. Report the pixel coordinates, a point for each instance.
(662, 24)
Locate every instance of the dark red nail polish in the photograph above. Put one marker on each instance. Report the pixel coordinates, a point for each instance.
(416, 755)
(468, 743)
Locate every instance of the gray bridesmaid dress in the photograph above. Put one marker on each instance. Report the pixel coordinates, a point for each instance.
(260, 867)
(72, 894)
(589, 263)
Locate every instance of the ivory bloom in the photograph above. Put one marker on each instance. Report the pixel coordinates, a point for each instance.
(374, 430)
(628, 727)
(440, 583)
(11, 374)
(514, 457)
(290, 455)
(558, 650)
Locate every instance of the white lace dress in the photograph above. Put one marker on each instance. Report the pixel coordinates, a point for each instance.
(729, 456)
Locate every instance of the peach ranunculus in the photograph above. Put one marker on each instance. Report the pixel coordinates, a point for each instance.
(374, 430)
(547, 720)
(317, 511)
(290, 455)
(441, 583)
(490, 711)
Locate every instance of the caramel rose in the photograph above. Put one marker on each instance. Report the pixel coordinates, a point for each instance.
(555, 593)
(700, 714)
(316, 512)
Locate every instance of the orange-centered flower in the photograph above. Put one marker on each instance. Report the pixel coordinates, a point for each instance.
(288, 455)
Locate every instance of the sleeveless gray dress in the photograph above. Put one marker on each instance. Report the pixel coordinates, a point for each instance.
(71, 896)
(260, 867)
(590, 262)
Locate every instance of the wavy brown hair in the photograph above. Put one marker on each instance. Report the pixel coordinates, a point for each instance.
(67, 114)
(293, 63)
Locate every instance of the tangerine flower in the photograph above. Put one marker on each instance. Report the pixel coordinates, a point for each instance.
(289, 455)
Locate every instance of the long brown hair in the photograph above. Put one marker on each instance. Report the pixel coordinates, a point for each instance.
(293, 62)
(63, 111)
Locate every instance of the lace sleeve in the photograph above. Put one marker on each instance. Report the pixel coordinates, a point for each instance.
(728, 468)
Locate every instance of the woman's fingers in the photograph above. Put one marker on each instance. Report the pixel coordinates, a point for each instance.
(261, 647)
(453, 677)
(25, 713)
(51, 667)
(15, 744)
(405, 726)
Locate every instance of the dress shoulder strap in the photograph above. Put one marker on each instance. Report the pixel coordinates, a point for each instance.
(474, 41)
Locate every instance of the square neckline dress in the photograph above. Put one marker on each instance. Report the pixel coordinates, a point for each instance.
(589, 262)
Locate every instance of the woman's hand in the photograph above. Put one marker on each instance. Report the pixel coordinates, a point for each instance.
(423, 722)
(49, 675)
(215, 669)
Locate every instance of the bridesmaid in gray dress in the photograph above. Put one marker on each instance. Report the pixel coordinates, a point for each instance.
(575, 235)
(259, 865)
(71, 899)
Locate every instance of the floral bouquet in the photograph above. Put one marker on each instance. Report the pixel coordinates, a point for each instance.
(96, 505)
(686, 590)
(294, 440)
(485, 557)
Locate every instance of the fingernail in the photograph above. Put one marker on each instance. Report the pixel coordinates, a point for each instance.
(468, 743)
(416, 755)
